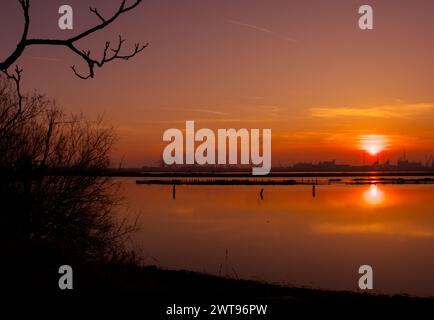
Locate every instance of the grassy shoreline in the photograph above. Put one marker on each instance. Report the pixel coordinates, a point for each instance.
(161, 285)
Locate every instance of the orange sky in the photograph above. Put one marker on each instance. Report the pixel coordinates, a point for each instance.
(301, 68)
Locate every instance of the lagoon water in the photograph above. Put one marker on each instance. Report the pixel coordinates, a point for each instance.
(290, 237)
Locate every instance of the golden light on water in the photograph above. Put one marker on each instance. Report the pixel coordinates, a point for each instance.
(374, 195)
(373, 143)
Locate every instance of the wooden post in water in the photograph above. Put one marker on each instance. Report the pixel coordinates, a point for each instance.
(314, 190)
(174, 192)
(261, 194)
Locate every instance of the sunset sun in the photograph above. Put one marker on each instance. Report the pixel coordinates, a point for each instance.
(373, 143)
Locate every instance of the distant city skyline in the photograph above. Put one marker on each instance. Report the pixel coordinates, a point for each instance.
(327, 165)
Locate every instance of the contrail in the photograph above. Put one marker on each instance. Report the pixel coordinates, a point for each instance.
(251, 26)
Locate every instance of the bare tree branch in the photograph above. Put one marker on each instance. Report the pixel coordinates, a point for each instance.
(95, 10)
(22, 44)
(106, 57)
(70, 43)
(16, 77)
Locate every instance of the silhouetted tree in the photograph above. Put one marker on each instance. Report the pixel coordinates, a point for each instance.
(51, 187)
(109, 53)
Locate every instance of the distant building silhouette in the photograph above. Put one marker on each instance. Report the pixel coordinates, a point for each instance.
(323, 165)
(401, 165)
(408, 165)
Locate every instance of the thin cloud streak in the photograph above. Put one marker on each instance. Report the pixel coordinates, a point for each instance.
(374, 228)
(385, 111)
(181, 122)
(198, 110)
(207, 111)
(264, 30)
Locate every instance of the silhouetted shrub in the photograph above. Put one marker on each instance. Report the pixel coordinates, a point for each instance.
(52, 190)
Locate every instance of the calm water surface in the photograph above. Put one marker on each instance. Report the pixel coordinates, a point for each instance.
(290, 237)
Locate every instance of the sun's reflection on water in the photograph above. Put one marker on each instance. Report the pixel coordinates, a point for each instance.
(374, 196)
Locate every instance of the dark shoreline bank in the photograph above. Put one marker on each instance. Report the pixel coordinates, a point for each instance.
(150, 292)
(163, 286)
